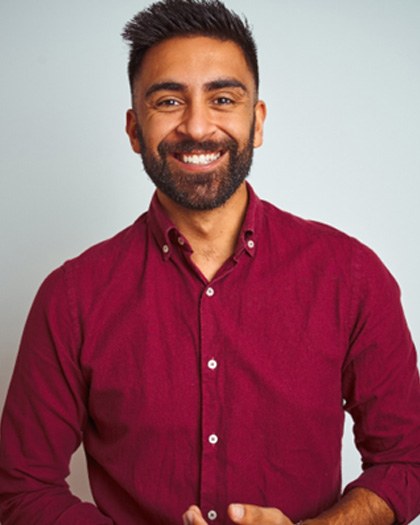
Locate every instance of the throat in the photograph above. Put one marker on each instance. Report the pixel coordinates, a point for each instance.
(210, 262)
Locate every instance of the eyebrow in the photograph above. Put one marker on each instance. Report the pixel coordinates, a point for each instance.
(214, 85)
(225, 83)
(164, 86)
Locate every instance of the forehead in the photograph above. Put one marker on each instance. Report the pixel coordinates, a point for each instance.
(193, 61)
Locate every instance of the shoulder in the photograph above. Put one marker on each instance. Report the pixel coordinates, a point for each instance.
(100, 264)
(101, 259)
(292, 230)
(287, 223)
(320, 243)
(108, 251)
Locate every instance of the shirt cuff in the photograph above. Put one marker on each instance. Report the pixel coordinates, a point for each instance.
(397, 485)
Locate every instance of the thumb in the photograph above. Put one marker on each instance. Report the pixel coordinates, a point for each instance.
(248, 514)
(236, 512)
(254, 515)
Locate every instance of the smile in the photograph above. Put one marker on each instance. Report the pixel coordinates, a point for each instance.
(199, 160)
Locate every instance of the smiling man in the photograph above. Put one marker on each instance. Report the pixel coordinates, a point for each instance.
(203, 354)
(199, 161)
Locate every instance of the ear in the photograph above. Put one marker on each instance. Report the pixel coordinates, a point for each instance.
(131, 130)
(260, 114)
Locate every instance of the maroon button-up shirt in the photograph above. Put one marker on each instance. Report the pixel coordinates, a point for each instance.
(185, 391)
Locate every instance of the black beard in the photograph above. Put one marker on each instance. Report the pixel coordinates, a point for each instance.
(203, 191)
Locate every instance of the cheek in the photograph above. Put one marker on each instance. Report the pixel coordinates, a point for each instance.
(239, 126)
(243, 133)
(158, 131)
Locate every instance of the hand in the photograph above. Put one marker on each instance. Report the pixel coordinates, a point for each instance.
(241, 514)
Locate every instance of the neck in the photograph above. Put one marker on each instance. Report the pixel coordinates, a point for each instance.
(212, 233)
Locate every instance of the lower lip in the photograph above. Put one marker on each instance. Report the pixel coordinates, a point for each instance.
(199, 167)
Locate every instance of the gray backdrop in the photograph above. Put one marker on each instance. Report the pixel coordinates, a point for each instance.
(341, 80)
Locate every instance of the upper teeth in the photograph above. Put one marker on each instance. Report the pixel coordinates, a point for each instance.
(200, 159)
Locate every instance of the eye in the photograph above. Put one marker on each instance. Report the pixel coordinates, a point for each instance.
(223, 101)
(168, 103)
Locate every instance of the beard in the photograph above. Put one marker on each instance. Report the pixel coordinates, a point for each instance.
(198, 191)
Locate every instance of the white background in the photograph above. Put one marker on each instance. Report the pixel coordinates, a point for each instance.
(341, 79)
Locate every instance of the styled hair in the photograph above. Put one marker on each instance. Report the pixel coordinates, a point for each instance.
(171, 18)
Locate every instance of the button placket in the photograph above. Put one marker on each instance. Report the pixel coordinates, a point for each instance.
(210, 462)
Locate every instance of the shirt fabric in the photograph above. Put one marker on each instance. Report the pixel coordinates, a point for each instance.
(185, 391)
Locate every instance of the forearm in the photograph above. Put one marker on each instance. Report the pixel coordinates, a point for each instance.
(357, 507)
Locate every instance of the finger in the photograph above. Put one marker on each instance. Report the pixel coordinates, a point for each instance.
(193, 516)
(254, 515)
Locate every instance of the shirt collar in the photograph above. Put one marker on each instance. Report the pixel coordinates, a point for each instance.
(163, 229)
(247, 240)
(167, 235)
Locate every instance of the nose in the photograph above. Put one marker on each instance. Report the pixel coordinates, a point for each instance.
(197, 122)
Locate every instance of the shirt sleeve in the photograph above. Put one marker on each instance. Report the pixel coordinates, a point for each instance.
(43, 417)
(382, 391)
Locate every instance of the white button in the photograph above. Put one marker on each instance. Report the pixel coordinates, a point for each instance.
(165, 248)
(251, 244)
(181, 241)
(212, 364)
(212, 515)
(213, 439)
(210, 292)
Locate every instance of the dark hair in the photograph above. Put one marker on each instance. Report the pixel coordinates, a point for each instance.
(171, 18)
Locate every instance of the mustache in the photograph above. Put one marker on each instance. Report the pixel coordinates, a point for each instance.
(189, 146)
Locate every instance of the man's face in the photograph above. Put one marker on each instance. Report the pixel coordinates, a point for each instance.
(195, 120)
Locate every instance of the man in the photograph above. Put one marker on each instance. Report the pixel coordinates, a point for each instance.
(203, 354)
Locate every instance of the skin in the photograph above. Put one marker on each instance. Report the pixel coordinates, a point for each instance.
(198, 89)
(202, 89)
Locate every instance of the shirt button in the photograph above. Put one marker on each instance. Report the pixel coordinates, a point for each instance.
(165, 248)
(213, 439)
(181, 241)
(212, 515)
(251, 244)
(212, 364)
(210, 292)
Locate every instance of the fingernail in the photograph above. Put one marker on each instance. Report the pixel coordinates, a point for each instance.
(238, 511)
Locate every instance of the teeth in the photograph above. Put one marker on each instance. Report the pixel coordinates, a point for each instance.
(200, 159)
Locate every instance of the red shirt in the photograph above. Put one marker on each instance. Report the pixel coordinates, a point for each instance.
(185, 391)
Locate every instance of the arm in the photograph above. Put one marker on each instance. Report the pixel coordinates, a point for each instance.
(358, 507)
(43, 418)
(381, 389)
